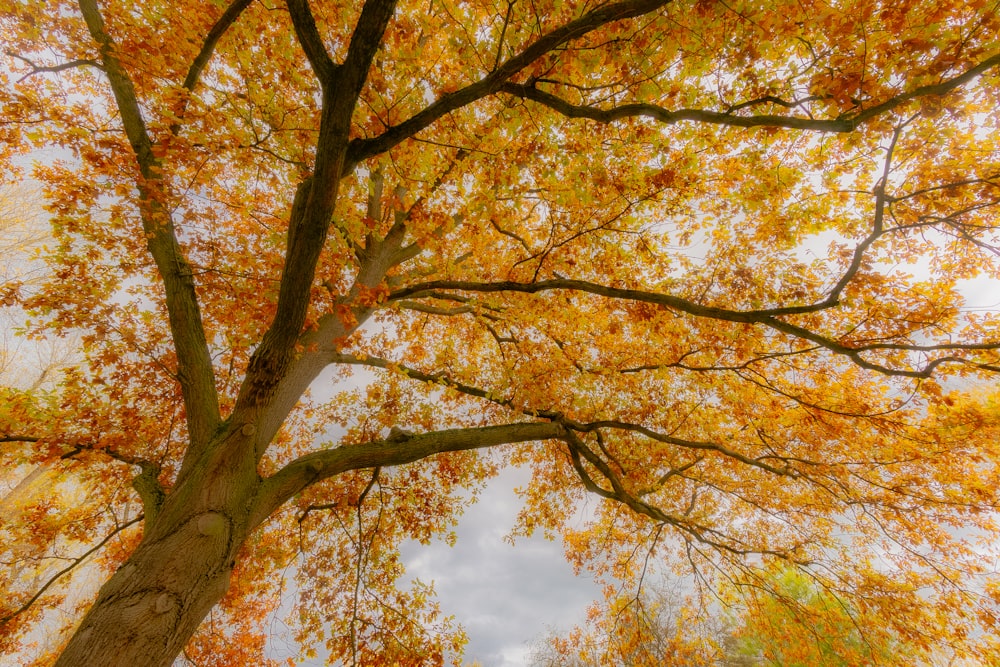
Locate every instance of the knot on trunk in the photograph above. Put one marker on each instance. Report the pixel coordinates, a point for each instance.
(212, 524)
(163, 603)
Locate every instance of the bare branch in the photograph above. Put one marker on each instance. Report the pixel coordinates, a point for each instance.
(503, 33)
(146, 483)
(66, 570)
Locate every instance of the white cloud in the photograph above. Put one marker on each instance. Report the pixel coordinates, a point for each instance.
(505, 596)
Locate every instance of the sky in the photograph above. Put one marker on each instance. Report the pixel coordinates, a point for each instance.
(505, 596)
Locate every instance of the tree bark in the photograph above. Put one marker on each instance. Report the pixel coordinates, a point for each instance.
(149, 609)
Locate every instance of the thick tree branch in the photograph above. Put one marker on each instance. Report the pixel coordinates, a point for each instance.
(442, 379)
(421, 290)
(194, 363)
(311, 41)
(312, 468)
(227, 19)
(13, 437)
(341, 87)
(147, 485)
(361, 149)
(121, 86)
(767, 317)
(365, 42)
(529, 91)
(846, 123)
(315, 348)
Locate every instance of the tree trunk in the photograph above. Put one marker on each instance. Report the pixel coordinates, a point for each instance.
(149, 609)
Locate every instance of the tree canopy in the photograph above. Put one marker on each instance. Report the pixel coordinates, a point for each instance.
(333, 265)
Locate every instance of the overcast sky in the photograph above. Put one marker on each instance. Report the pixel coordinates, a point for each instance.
(505, 596)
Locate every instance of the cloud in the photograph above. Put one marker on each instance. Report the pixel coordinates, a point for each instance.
(505, 596)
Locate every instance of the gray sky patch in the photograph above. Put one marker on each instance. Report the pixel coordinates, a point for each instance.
(505, 596)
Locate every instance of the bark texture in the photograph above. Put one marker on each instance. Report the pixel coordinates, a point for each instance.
(148, 610)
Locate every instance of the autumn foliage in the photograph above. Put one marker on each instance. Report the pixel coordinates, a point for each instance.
(333, 265)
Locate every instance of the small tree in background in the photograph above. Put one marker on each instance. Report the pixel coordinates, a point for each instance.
(656, 627)
(775, 617)
(785, 619)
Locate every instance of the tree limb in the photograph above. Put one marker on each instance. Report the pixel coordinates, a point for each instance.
(311, 468)
(420, 290)
(768, 317)
(12, 437)
(341, 86)
(311, 41)
(680, 442)
(433, 378)
(147, 485)
(582, 427)
(362, 149)
(699, 532)
(194, 363)
(38, 69)
(227, 19)
(847, 123)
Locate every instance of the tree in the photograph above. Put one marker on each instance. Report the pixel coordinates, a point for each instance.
(26, 364)
(774, 617)
(700, 259)
(658, 627)
(791, 621)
